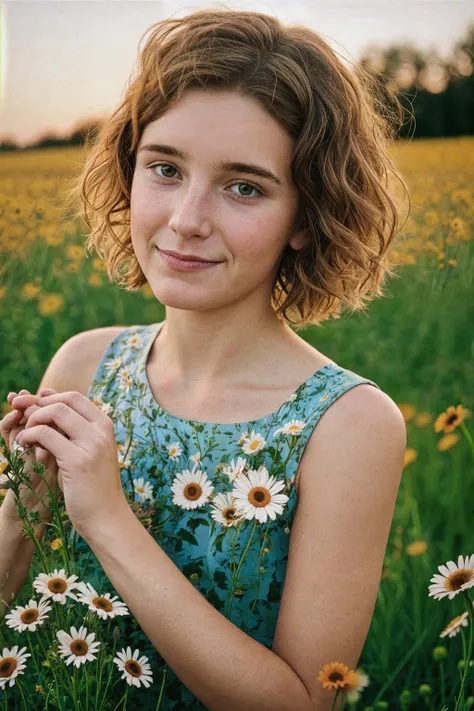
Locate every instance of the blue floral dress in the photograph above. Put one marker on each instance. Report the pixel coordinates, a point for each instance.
(224, 495)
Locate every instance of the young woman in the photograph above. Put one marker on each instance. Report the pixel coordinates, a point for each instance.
(245, 178)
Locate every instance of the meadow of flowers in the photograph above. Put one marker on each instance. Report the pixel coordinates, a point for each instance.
(416, 343)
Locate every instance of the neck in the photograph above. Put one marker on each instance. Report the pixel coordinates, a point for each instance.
(199, 349)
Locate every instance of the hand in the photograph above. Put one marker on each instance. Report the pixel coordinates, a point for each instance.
(10, 426)
(86, 455)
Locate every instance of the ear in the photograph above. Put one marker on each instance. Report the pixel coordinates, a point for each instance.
(300, 240)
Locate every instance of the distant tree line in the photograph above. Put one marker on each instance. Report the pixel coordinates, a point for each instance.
(437, 93)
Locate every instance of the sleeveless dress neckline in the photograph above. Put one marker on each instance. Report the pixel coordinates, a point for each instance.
(154, 330)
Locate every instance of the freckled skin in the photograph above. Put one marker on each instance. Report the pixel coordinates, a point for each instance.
(191, 208)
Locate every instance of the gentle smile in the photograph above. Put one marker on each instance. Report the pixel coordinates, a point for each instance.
(185, 265)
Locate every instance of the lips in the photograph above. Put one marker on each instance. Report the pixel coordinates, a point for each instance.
(189, 258)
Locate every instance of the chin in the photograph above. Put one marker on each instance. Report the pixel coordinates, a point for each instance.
(184, 296)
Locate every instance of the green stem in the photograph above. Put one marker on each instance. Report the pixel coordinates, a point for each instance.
(124, 699)
(469, 655)
(236, 577)
(20, 688)
(104, 698)
(162, 687)
(258, 574)
(334, 700)
(467, 437)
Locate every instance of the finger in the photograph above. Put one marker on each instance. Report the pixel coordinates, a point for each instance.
(78, 402)
(73, 425)
(48, 438)
(20, 402)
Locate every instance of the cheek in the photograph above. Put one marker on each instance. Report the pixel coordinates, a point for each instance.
(259, 244)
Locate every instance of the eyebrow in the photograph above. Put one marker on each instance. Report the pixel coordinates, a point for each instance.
(225, 166)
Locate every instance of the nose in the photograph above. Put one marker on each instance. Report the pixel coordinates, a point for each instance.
(191, 213)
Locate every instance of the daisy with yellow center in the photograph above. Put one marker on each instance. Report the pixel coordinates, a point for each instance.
(104, 606)
(135, 670)
(453, 579)
(337, 676)
(191, 489)
(143, 489)
(12, 664)
(450, 419)
(113, 364)
(454, 627)
(257, 495)
(224, 510)
(135, 342)
(174, 450)
(56, 585)
(234, 469)
(295, 427)
(28, 617)
(78, 647)
(125, 380)
(253, 443)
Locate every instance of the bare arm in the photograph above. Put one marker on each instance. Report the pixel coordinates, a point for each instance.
(71, 368)
(16, 553)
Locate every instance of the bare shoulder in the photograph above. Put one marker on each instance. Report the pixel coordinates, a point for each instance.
(352, 469)
(364, 414)
(74, 364)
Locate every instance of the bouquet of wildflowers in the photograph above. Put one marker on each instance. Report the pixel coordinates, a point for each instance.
(59, 649)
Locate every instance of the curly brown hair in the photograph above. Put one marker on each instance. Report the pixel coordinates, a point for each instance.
(341, 125)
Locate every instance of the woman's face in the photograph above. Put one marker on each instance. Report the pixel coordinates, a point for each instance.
(193, 205)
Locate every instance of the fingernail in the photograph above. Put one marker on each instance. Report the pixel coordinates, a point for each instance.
(18, 437)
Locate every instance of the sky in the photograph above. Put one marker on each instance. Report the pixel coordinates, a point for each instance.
(67, 61)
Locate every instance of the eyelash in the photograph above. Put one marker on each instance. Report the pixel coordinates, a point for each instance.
(241, 197)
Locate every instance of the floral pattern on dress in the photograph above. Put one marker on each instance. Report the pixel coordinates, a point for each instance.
(224, 494)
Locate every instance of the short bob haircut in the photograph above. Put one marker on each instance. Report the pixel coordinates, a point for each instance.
(340, 165)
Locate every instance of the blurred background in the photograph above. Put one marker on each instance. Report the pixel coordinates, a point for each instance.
(64, 66)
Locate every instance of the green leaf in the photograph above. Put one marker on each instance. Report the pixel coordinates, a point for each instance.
(220, 579)
(187, 536)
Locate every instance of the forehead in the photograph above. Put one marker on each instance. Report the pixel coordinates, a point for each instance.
(224, 124)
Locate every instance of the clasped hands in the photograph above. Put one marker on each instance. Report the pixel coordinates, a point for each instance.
(85, 450)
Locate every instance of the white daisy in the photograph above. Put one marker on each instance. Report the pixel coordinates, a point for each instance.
(135, 342)
(257, 495)
(234, 469)
(295, 427)
(78, 647)
(125, 380)
(243, 437)
(454, 627)
(191, 489)
(453, 579)
(253, 443)
(174, 450)
(103, 605)
(135, 670)
(124, 452)
(113, 364)
(196, 457)
(354, 692)
(143, 489)
(56, 585)
(105, 407)
(12, 663)
(224, 511)
(28, 617)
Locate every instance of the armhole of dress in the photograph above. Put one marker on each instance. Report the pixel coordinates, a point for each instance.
(97, 383)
